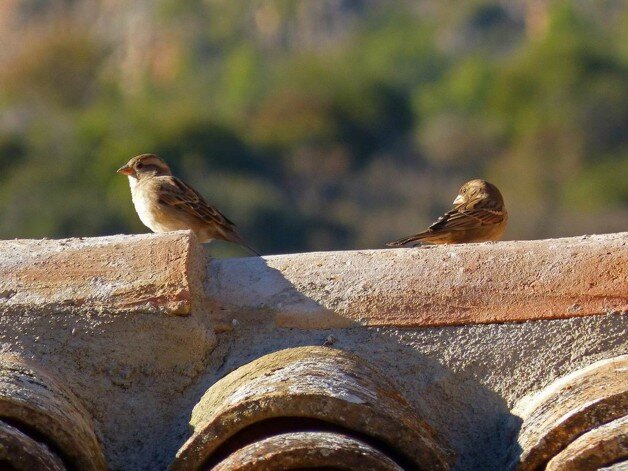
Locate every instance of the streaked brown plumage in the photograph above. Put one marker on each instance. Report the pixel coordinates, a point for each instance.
(479, 215)
(165, 203)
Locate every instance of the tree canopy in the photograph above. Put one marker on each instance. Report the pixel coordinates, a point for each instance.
(315, 125)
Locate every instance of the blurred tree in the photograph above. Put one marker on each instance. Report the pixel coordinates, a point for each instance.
(58, 68)
(315, 125)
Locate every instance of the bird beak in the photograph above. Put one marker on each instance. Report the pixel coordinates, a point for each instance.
(125, 170)
(459, 199)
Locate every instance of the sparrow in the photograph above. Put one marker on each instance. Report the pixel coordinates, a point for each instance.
(165, 203)
(479, 215)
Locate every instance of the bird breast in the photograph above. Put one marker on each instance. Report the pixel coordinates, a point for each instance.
(145, 197)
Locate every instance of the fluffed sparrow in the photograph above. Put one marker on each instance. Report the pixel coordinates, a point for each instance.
(165, 203)
(479, 215)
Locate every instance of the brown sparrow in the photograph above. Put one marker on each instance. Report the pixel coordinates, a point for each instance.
(165, 203)
(479, 215)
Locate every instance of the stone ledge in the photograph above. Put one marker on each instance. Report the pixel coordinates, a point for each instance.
(124, 273)
(431, 286)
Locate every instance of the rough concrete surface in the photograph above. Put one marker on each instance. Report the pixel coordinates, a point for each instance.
(139, 371)
(429, 286)
(128, 366)
(464, 380)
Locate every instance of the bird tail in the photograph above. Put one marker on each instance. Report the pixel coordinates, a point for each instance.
(250, 249)
(407, 240)
(238, 239)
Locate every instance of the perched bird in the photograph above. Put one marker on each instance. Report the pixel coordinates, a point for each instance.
(165, 203)
(479, 215)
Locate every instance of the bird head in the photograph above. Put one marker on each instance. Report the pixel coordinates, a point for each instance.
(145, 165)
(478, 190)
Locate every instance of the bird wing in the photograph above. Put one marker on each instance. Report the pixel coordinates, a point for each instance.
(461, 218)
(179, 195)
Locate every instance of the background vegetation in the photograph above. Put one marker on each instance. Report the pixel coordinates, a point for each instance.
(315, 125)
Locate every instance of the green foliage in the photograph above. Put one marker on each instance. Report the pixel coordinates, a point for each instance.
(315, 125)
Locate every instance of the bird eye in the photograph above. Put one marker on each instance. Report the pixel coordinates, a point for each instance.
(140, 165)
